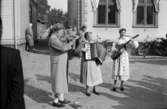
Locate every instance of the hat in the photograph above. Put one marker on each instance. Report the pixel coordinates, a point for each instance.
(54, 28)
(122, 29)
(57, 26)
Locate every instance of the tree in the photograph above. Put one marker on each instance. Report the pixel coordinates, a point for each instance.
(42, 9)
(44, 13)
(57, 16)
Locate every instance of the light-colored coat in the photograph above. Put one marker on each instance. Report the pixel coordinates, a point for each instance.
(29, 36)
(58, 61)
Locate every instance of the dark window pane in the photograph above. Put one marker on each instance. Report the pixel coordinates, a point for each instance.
(141, 1)
(145, 13)
(149, 1)
(140, 15)
(150, 15)
(112, 14)
(110, 1)
(102, 1)
(101, 14)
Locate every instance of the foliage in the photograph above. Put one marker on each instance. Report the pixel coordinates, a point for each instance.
(57, 16)
(51, 16)
(154, 47)
(42, 9)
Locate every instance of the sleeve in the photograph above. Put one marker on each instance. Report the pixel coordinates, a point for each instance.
(17, 85)
(113, 48)
(134, 44)
(58, 45)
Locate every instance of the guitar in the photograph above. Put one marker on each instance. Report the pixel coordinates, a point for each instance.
(118, 52)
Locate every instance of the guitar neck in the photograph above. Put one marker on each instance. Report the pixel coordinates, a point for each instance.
(129, 41)
(132, 38)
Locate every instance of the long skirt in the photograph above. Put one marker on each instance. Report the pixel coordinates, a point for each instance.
(90, 73)
(121, 67)
(59, 75)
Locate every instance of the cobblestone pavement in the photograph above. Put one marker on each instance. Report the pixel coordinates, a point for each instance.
(147, 88)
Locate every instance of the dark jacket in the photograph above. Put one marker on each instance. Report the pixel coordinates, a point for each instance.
(12, 82)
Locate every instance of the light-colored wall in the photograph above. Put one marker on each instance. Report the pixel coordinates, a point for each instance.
(7, 20)
(152, 33)
(24, 19)
(126, 18)
(14, 13)
(88, 17)
(108, 32)
(126, 21)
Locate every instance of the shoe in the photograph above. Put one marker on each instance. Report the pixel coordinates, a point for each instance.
(64, 102)
(114, 89)
(58, 104)
(88, 94)
(122, 88)
(95, 92)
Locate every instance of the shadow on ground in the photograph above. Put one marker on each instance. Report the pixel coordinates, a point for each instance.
(36, 94)
(150, 93)
(151, 60)
(72, 87)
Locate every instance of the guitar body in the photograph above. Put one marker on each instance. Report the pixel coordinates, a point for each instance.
(117, 53)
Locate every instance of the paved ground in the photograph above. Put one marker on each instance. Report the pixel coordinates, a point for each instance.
(147, 88)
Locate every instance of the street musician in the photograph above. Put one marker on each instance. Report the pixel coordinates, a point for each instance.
(90, 71)
(121, 58)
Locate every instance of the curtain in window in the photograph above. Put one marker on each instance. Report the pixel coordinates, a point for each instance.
(156, 5)
(118, 5)
(95, 4)
(135, 3)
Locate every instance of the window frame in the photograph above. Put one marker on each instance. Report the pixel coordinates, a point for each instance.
(117, 25)
(155, 18)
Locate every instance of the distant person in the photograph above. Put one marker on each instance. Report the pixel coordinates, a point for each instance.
(12, 82)
(81, 39)
(74, 29)
(82, 32)
(29, 38)
(121, 64)
(59, 47)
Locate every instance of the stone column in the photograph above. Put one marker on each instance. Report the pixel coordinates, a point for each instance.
(33, 6)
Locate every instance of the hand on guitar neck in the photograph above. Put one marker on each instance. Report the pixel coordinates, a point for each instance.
(118, 52)
(124, 44)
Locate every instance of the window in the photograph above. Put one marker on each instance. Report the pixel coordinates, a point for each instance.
(107, 13)
(145, 15)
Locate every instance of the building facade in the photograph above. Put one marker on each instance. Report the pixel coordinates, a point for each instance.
(15, 18)
(105, 17)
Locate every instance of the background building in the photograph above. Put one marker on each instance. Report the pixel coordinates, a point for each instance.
(74, 13)
(106, 17)
(15, 17)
